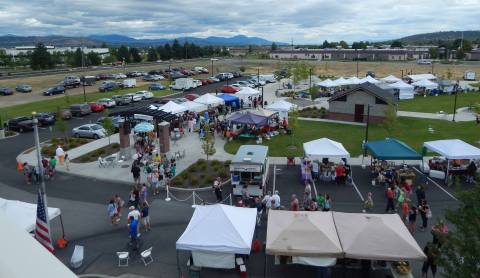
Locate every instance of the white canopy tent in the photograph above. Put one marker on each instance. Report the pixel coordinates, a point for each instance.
(262, 112)
(23, 256)
(425, 83)
(282, 107)
(325, 148)
(340, 82)
(24, 214)
(209, 100)
(453, 149)
(354, 80)
(327, 83)
(369, 79)
(194, 106)
(216, 233)
(390, 79)
(246, 92)
(418, 77)
(172, 107)
(406, 91)
(376, 237)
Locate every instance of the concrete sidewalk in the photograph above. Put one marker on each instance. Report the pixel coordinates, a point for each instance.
(463, 115)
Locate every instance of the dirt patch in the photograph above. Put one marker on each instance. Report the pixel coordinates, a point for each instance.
(93, 155)
(202, 173)
(66, 143)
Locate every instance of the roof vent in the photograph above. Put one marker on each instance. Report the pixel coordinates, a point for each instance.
(250, 153)
(247, 159)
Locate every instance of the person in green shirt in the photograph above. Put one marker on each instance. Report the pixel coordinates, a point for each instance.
(320, 201)
(52, 163)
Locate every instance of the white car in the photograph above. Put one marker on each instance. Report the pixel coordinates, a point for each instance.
(134, 97)
(157, 77)
(197, 82)
(94, 131)
(107, 102)
(245, 84)
(120, 76)
(144, 94)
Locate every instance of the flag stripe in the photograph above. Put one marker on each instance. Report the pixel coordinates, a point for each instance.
(42, 230)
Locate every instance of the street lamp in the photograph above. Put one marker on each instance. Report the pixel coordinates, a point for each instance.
(455, 91)
(366, 131)
(213, 59)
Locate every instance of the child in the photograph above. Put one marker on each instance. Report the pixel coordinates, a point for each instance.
(368, 205)
(405, 209)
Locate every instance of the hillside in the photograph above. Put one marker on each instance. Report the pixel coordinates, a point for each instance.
(429, 38)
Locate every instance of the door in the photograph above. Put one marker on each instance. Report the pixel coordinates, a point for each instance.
(359, 108)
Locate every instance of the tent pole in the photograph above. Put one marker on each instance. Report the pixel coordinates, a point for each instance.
(265, 264)
(178, 264)
(446, 172)
(63, 229)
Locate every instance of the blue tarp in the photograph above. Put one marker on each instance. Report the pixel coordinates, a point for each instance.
(392, 149)
(230, 100)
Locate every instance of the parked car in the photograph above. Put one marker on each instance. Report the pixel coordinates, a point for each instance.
(20, 124)
(134, 97)
(200, 69)
(101, 76)
(229, 89)
(71, 81)
(176, 75)
(115, 121)
(88, 80)
(213, 80)
(108, 86)
(24, 88)
(54, 91)
(204, 82)
(237, 74)
(197, 83)
(148, 78)
(45, 118)
(156, 86)
(90, 131)
(5, 91)
(158, 77)
(144, 94)
(119, 76)
(163, 100)
(66, 114)
(79, 110)
(154, 72)
(106, 102)
(245, 84)
(129, 83)
(121, 100)
(95, 107)
(191, 97)
(222, 76)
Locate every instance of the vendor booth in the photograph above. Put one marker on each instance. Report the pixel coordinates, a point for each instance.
(324, 147)
(426, 84)
(406, 91)
(194, 106)
(354, 80)
(209, 100)
(217, 233)
(327, 83)
(282, 107)
(230, 100)
(339, 82)
(390, 79)
(369, 79)
(248, 119)
(172, 107)
(249, 167)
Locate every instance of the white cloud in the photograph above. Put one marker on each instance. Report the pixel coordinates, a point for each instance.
(307, 21)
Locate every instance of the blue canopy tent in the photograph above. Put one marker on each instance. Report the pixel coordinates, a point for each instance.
(248, 118)
(230, 100)
(392, 149)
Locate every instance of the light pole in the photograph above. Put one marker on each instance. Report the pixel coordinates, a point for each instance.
(356, 52)
(455, 91)
(258, 76)
(263, 101)
(366, 131)
(213, 59)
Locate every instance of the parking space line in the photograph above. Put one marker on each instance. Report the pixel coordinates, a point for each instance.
(355, 186)
(437, 185)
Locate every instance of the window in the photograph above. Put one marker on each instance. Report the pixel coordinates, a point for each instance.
(342, 98)
(379, 101)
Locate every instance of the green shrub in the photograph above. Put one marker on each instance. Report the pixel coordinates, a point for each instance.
(194, 181)
(209, 180)
(185, 175)
(215, 163)
(192, 168)
(223, 174)
(201, 161)
(202, 176)
(177, 181)
(203, 167)
(227, 163)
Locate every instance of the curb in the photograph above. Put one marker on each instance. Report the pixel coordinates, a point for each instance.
(9, 137)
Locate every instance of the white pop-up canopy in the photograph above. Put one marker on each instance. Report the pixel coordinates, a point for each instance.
(369, 79)
(23, 256)
(340, 82)
(325, 148)
(327, 83)
(390, 79)
(24, 214)
(172, 107)
(417, 77)
(354, 80)
(281, 105)
(303, 234)
(194, 106)
(376, 237)
(453, 149)
(246, 92)
(209, 99)
(406, 91)
(219, 228)
(425, 83)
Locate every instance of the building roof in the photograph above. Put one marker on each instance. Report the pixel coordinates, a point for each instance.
(251, 154)
(388, 95)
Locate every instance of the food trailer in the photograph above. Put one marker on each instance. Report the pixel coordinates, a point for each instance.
(249, 167)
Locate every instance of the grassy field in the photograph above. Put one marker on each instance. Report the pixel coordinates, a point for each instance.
(410, 130)
(51, 104)
(434, 104)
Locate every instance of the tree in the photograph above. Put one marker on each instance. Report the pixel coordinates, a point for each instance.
(135, 54)
(460, 252)
(41, 58)
(104, 45)
(390, 123)
(123, 54)
(177, 50)
(250, 49)
(57, 58)
(298, 71)
(208, 144)
(78, 59)
(61, 125)
(152, 55)
(343, 44)
(433, 51)
(93, 59)
(107, 124)
(359, 45)
(325, 44)
(274, 46)
(396, 44)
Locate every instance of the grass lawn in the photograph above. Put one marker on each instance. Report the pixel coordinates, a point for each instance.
(412, 131)
(432, 104)
(51, 104)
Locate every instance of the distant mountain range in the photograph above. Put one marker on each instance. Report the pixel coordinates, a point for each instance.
(434, 37)
(114, 39)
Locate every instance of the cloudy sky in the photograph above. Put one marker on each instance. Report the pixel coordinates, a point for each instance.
(306, 21)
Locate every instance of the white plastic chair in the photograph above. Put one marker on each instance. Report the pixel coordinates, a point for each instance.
(147, 256)
(102, 163)
(123, 258)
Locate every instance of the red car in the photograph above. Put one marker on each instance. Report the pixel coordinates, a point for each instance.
(229, 89)
(191, 97)
(204, 82)
(95, 107)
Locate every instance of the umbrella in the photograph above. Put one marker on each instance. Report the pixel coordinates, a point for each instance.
(143, 127)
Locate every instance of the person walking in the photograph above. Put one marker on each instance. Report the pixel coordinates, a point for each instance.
(390, 203)
(133, 232)
(420, 193)
(308, 190)
(424, 213)
(266, 201)
(52, 163)
(405, 210)
(412, 219)
(368, 204)
(143, 194)
(432, 253)
(136, 216)
(60, 153)
(146, 216)
(135, 170)
(294, 206)
(217, 188)
(155, 182)
(276, 200)
(112, 212)
(120, 203)
(67, 162)
(327, 203)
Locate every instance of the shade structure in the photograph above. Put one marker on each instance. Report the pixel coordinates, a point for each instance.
(281, 106)
(417, 77)
(392, 149)
(376, 237)
(209, 100)
(354, 80)
(24, 214)
(219, 228)
(327, 83)
(248, 118)
(325, 148)
(172, 107)
(23, 256)
(230, 100)
(453, 149)
(143, 127)
(390, 79)
(369, 79)
(405, 90)
(262, 112)
(246, 92)
(425, 83)
(193, 106)
(302, 233)
(340, 82)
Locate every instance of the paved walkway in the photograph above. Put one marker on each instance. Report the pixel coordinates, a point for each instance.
(463, 115)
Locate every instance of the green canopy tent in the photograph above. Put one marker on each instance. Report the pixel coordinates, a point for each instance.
(392, 149)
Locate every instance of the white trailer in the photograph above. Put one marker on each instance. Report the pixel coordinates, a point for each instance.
(129, 83)
(184, 84)
(469, 75)
(268, 77)
(249, 167)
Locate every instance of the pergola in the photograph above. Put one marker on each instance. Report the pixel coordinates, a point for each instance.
(157, 115)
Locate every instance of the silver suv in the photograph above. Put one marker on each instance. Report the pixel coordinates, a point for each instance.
(94, 131)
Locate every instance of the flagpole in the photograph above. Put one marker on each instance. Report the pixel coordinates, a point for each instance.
(40, 169)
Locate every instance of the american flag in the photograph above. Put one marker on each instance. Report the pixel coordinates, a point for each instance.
(42, 230)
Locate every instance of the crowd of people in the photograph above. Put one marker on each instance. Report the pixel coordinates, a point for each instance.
(31, 173)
